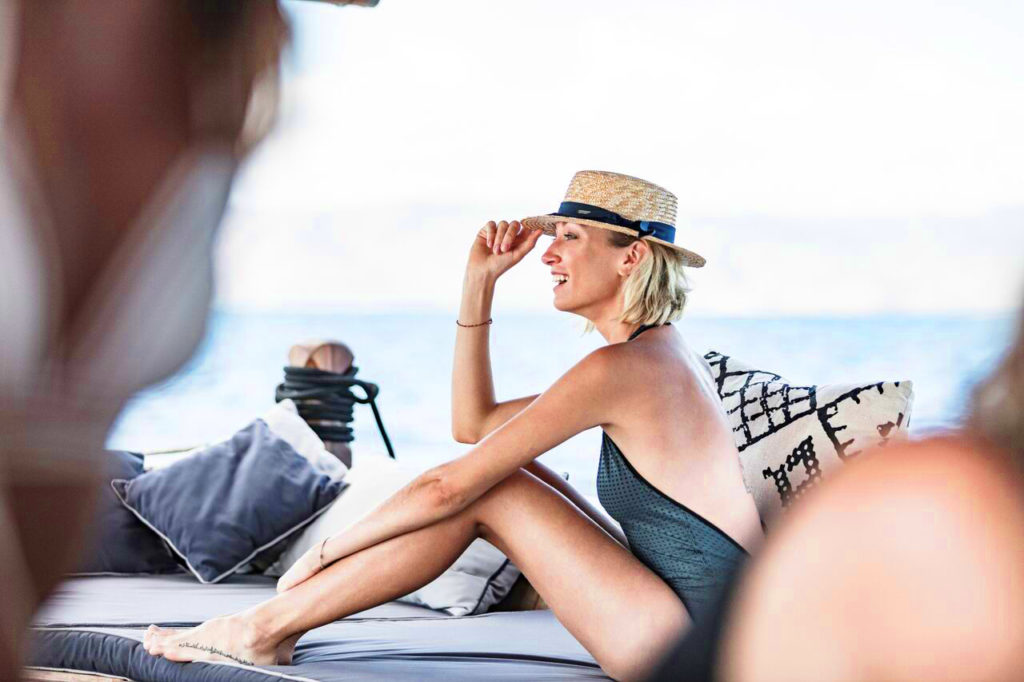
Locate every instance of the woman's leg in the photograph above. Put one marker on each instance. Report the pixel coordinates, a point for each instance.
(615, 606)
(363, 580)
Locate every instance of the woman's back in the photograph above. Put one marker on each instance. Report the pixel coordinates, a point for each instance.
(675, 434)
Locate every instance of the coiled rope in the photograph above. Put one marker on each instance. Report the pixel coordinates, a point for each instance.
(327, 397)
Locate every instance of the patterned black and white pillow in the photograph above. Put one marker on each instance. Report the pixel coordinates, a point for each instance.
(792, 437)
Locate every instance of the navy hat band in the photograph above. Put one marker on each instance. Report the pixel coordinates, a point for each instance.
(644, 228)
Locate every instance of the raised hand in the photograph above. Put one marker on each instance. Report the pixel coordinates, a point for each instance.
(499, 246)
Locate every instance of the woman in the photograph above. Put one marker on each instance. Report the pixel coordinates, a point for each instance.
(614, 263)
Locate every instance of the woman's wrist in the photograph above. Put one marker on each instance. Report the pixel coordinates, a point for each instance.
(477, 296)
(479, 278)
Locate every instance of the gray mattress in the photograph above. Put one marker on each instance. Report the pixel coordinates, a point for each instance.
(96, 625)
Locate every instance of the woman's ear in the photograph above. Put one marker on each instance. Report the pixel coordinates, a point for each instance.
(632, 256)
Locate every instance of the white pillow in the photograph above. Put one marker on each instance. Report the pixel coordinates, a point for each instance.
(284, 421)
(479, 578)
(792, 437)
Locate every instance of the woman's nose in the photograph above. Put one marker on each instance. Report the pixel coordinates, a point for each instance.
(550, 255)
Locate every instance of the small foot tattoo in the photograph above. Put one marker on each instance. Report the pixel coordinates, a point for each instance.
(216, 651)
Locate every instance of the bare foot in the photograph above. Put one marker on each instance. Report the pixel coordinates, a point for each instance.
(222, 639)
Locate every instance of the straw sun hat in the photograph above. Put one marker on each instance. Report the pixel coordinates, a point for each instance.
(621, 203)
(364, 3)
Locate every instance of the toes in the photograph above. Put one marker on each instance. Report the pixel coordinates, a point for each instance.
(158, 640)
(147, 637)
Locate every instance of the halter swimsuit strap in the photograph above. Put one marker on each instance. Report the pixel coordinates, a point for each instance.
(644, 327)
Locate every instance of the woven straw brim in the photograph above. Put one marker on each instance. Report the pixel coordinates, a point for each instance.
(363, 3)
(546, 223)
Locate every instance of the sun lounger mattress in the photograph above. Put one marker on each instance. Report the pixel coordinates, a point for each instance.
(96, 625)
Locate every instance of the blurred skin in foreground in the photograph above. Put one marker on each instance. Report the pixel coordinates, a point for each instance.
(907, 566)
(123, 124)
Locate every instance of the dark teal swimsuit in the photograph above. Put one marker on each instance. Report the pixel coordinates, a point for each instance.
(694, 556)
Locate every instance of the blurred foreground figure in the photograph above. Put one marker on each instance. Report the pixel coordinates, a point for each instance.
(909, 566)
(123, 125)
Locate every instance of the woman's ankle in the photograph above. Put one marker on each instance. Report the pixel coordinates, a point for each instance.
(261, 628)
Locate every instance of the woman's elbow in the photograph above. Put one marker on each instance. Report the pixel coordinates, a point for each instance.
(465, 437)
(465, 433)
(444, 495)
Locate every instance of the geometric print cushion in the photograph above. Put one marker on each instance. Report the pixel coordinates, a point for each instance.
(791, 438)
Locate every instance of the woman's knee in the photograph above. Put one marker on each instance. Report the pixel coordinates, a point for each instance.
(499, 503)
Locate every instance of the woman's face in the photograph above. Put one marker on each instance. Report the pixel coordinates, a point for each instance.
(584, 268)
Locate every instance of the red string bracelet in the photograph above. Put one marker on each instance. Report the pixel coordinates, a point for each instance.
(481, 324)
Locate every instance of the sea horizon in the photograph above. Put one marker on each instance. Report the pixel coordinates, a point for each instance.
(231, 378)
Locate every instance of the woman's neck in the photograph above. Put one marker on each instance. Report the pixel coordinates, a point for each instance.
(614, 330)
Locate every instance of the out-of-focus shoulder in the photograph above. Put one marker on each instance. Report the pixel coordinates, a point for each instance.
(958, 459)
(954, 479)
(921, 543)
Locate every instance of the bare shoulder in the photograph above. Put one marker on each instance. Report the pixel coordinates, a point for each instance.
(597, 375)
(954, 470)
(596, 364)
(620, 365)
(635, 355)
(932, 493)
(914, 551)
(608, 361)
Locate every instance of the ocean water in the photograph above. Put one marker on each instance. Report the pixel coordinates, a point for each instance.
(232, 377)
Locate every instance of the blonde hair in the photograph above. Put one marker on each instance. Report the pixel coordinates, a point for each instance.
(997, 407)
(656, 289)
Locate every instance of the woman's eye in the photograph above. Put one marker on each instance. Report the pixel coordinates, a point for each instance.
(570, 235)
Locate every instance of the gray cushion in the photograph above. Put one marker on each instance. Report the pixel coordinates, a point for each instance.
(231, 504)
(97, 624)
(118, 543)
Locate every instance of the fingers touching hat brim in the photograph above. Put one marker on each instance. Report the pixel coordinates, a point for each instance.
(546, 223)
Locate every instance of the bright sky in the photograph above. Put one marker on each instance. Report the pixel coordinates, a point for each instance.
(829, 158)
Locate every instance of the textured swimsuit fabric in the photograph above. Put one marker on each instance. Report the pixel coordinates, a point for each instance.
(685, 550)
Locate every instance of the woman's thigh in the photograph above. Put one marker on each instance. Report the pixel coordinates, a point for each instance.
(617, 608)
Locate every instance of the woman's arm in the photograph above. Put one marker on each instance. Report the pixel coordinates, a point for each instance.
(586, 396)
(475, 412)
